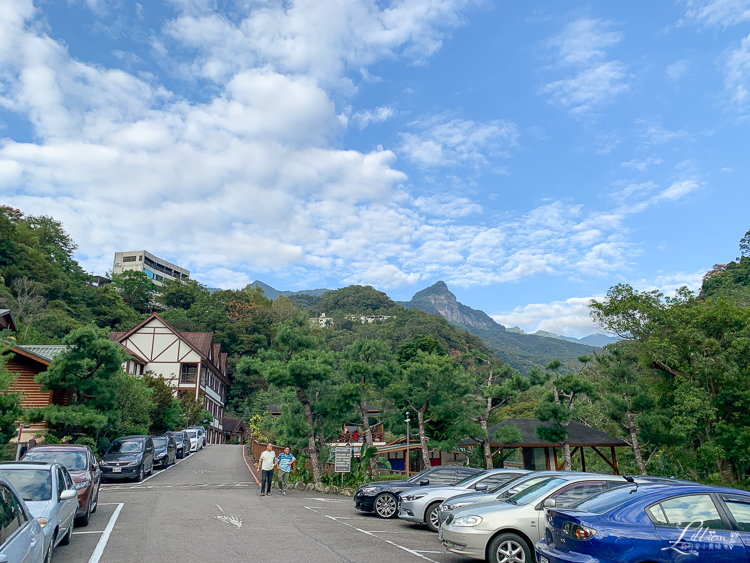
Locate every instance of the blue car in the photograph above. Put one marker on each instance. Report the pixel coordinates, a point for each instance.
(650, 523)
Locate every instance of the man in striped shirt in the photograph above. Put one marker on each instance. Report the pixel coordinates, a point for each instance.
(285, 463)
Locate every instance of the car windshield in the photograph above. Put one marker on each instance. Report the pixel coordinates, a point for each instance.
(179, 438)
(417, 476)
(518, 484)
(160, 442)
(534, 492)
(192, 433)
(31, 484)
(72, 461)
(470, 478)
(607, 500)
(125, 447)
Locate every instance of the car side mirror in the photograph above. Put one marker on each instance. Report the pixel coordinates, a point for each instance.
(68, 494)
(480, 487)
(424, 483)
(3, 558)
(550, 503)
(93, 467)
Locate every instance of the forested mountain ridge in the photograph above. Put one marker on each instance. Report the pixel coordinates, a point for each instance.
(519, 350)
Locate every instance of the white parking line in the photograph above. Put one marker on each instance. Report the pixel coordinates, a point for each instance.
(108, 486)
(102, 544)
(372, 535)
(89, 532)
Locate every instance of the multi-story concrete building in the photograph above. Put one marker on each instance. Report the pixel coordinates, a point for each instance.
(190, 362)
(155, 268)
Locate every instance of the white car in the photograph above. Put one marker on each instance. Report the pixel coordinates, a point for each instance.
(201, 434)
(195, 439)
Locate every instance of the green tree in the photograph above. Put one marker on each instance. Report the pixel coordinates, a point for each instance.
(745, 244)
(10, 402)
(559, 405)
(136, 288)
(180, 294)
(299, 361)
(434, 387)
(492, 386)
(366, 369)
(167, 414)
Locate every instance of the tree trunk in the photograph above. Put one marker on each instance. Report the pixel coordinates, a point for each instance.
(423, 439)
(567, 465)
(310, 434)
(486, 444)
(635, 444)
(368, 435)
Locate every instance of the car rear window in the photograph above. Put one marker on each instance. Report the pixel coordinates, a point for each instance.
(31, 484)
(73, 461)
(607, 500)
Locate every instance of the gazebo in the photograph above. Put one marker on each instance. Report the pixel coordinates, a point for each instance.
(532, 448)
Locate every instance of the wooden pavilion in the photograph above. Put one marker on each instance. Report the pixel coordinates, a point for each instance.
(533, 448)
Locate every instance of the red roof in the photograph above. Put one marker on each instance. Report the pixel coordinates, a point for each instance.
(200, 341)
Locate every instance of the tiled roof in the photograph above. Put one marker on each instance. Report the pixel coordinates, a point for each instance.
(201, 341)
(115, 336)
(230, 424)
(580, 435)
(46, 352)
(223, 366)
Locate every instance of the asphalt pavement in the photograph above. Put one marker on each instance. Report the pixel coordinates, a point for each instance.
(207, 509)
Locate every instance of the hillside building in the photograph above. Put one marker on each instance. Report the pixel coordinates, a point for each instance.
(155, 268)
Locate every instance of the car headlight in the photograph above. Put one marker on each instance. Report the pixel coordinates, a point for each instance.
(455, 505)
(82, 484)
(159, 456)
(467, 521)
(135, 462)
(415, 497)
(367, 490)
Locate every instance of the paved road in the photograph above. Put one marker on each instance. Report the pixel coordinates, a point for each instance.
(207, 509)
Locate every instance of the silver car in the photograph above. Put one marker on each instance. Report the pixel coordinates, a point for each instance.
(422, 504)
(20, 533)
(506, 531)
(494, 495)
(50, 496)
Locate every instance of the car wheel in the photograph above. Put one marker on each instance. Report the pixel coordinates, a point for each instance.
(67, 536)
(432, 516)
(509, 548)
(141, 474)
(83, 521)
(385, 505)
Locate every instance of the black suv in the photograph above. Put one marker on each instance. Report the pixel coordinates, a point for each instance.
(129, 457)
(382, 497)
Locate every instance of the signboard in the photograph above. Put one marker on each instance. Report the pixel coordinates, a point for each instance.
(343, 460)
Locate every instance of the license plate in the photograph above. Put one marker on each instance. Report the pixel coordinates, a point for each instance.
(543, 559)
(117, 470)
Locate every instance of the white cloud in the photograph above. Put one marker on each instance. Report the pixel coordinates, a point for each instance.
(655, 134)
(581, 47)
(641, 165)
(678, 69)
(447, 206)
(454, 142)
(718, 12)
(377, 115)
(737, 80)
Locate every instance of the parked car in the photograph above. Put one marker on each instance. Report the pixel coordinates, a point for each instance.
(497, 494)
(202, 433)
(689, 523)
(382, 497)
(21, 535)
(499, 531)
(50, 497)
(422, 504)
(165, 451)
(129, 457)
(83, 468)
(195, 439)
(182, 441)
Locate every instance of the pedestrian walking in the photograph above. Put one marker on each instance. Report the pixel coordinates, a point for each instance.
(285, 463)
(266, 464)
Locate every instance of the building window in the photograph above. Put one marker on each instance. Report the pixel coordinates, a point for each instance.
(140, 258)
(188, 373)
(128, 258)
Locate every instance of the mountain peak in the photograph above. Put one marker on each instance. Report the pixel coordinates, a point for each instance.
(439, 300)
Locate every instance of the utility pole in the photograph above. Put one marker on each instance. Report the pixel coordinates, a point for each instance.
(406, 456)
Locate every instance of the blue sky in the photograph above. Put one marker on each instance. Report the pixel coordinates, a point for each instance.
(531, 155)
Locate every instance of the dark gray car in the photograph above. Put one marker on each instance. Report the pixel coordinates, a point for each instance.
(129, 457)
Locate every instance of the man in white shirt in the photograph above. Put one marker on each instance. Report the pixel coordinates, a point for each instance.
(266, 464)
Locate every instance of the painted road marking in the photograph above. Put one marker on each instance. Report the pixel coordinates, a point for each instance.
(373, 535)
(102, 544)
(328, 500)
(232, 519)
(89, 532)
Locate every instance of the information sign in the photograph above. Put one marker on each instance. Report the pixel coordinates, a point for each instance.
(343, 460)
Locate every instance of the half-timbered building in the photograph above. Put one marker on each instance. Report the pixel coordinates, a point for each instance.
(190, 362)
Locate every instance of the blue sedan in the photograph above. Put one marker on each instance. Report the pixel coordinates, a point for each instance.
(650, 523)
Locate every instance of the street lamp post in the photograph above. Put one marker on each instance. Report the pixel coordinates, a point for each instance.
(406, 457)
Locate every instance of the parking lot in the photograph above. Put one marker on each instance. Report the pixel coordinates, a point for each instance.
(207, 508)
